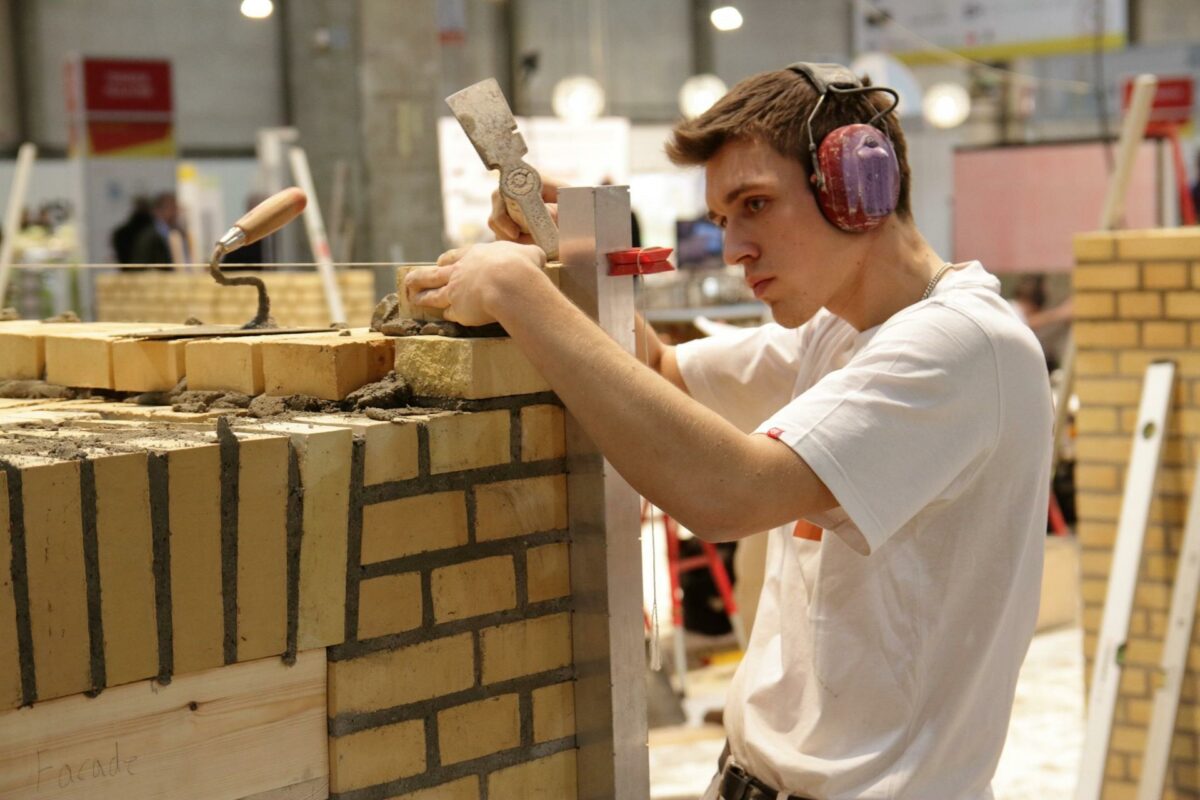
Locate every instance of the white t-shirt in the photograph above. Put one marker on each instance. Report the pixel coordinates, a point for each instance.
(885, 654)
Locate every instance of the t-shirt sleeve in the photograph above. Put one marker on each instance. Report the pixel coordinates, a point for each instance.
(903, 425)
(743, 375)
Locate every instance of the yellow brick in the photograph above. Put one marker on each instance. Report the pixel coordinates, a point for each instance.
(10, 666)
(479, 729)
(1094, 590)
(328, 366)
(1128, 739)
(468, 441)
(389, 604)
(1134, 682)
(515, 508)
(1105, 276)
(1165, 334)
(197, 610)
(1165, 275)
(464, 789)
(376, 755)
(57, 588)
(232, 364)
(554, 712)
(548, 571)
(1096, 419)
(262, 547)
(1095, 362)
(438, 366)
(147, 365)
(1117, 766)
(391, 447)
(550, 778)
(1139, 305)
(413, 525)
(1154, 596)
(1142, 652)
(542, 433)
(1096, 534)
(406, 675)
(1094, 305)
(324, 460)
(1106, 334)
(1101, 477)
(1101, 391)
(1095, 563)
(1183, 305)
(526, 647)
(1097, 246)
(474, 588)
(125, 552)
(1159, 244)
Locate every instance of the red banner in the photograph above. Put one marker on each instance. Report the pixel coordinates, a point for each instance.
(123, 107)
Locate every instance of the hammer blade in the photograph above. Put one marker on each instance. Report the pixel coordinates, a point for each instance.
(488, 122)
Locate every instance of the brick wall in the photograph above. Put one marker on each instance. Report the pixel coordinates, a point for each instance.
(429, 555)
(1137, 299)
(296, 297)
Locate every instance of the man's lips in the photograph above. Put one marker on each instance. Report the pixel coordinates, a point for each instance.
(759, 285)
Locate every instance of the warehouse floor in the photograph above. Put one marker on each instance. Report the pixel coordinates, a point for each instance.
(1039, 761)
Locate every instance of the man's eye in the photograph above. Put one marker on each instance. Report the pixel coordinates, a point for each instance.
(756, 204)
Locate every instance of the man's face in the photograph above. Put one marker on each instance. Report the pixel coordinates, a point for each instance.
(793, 260)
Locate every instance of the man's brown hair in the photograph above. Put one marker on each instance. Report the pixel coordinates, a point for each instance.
(773, 107)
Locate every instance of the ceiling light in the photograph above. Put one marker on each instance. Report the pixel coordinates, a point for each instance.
(257, 9)
(578, 98)
(698, 94)
(946, 105)
(726, 18)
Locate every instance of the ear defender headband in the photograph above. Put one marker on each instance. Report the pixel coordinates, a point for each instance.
(855, 167)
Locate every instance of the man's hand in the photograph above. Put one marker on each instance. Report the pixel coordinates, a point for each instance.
(467, 282)
(514, 229)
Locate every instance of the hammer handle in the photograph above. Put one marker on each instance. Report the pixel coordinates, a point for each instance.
(272, 214)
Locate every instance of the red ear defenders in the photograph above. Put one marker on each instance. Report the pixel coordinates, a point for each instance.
(855, 167)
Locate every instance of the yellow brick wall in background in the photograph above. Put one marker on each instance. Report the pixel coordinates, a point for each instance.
(297, 298)
(1137, 299)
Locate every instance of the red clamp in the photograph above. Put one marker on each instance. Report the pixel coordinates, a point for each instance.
(639, 261)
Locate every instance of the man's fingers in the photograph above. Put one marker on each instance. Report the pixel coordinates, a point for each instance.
(503, 225)
(431, 298)
(450, 256)
(423, 278)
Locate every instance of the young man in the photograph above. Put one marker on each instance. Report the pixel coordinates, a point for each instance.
(898, 410)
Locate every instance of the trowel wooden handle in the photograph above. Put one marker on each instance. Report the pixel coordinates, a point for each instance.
(272, 214)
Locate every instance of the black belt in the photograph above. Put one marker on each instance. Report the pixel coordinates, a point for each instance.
(737, 784)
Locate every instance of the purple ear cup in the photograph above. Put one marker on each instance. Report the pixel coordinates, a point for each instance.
(859, 183)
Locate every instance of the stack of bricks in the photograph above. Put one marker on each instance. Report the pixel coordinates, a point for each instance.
(297, 298)
(1137, 300)
(425, 557)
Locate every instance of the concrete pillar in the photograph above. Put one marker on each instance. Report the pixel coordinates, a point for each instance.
(10, 110)
(365, 89)
(400, 101)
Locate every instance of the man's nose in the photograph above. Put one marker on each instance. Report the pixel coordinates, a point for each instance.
(737, 248)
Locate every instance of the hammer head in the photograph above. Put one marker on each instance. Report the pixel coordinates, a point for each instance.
(488, 122)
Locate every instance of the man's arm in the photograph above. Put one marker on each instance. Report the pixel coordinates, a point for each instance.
(717, 481)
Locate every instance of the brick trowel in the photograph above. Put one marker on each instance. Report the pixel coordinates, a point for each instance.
(259, 222)
(488, 122)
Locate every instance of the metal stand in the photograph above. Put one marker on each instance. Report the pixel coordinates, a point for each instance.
(606, 573)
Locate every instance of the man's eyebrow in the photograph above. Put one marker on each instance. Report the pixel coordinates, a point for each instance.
(742, 188)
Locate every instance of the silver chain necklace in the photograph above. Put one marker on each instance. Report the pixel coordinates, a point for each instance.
(934, 280)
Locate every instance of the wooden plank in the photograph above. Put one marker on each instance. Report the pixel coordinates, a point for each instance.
(226, 734)
(316, 789)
